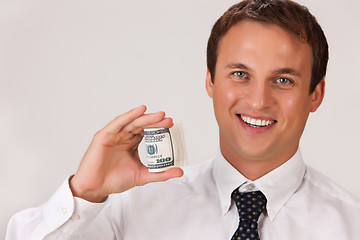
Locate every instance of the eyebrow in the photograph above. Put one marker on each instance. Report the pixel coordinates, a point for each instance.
(237, 65)
(290, 71)
(287, 71)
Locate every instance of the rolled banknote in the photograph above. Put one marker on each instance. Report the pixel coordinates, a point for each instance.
(165, 148)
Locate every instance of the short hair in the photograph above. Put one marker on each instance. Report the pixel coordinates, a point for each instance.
(285, 13)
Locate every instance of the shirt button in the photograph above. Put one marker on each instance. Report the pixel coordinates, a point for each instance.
(75, 216)
(271, 212)
(63, 211)
(251, 187)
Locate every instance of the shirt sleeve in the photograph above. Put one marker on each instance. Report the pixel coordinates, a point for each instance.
(62, 217)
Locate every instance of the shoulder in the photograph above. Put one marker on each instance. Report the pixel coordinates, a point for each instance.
(195, 178)
(198, 171)
(191, 189)
(321, 186)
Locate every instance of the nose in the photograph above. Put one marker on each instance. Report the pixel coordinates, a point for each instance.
(259, 95)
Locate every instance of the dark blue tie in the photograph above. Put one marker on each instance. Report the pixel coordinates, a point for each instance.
(250, 205)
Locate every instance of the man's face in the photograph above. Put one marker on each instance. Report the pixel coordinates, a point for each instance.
(261, 92)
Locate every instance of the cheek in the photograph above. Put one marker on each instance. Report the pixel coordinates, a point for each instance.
(296, 108)
(290, 104)
(225, 97)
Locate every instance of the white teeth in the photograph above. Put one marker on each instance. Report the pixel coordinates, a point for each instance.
(256, 122)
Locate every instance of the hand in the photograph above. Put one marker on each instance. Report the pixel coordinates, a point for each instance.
(112, 163)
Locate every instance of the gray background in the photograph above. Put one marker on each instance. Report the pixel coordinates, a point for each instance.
(69, 67)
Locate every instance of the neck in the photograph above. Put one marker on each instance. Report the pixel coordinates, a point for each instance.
(254, 167)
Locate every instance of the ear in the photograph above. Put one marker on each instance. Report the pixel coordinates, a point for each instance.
(317, 96)
(208, 84)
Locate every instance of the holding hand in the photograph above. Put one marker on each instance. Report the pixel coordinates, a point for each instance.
(112, 163)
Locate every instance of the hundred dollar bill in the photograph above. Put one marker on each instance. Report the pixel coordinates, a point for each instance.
(165, 148)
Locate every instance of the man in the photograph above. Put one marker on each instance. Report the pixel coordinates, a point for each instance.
(266, 66)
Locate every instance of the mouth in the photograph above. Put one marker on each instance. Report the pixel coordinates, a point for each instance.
(256, 123)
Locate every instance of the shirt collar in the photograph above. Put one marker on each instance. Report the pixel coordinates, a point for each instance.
(278, 185)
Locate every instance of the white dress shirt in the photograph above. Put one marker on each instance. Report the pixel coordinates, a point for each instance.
(301, 204)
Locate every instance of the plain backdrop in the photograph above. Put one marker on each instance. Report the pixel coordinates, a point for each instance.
(69, 67)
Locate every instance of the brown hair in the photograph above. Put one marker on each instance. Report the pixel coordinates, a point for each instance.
(284, 13)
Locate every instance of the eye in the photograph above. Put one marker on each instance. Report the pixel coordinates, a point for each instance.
(283, 81)
(240, 74)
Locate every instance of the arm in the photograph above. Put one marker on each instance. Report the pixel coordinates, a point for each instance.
(110, 165)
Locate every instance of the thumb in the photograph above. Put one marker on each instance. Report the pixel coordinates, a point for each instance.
(162, 176)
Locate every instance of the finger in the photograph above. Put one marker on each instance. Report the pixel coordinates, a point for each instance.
(119, 122)
(165, 123)
(134, 131)
(161, 176)
(148, 121)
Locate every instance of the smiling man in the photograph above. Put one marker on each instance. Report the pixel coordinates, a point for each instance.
(266, 66)
(261, 92)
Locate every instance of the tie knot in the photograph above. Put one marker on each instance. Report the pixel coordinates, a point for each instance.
(249, 204)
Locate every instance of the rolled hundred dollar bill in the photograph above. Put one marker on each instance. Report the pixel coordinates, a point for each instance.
(165, 148)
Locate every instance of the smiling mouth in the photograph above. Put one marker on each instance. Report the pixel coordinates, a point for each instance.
(256, 123)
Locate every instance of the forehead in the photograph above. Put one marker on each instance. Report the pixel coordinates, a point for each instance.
(264, 45)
